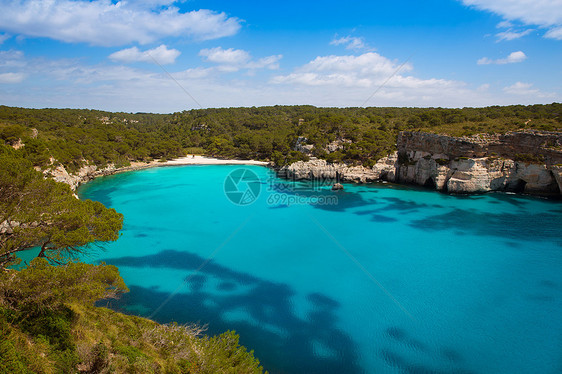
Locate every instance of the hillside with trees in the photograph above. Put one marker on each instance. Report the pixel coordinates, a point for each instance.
(75, 137)
(49, 324)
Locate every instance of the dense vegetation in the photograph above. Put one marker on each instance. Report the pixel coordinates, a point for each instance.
(49, 324)
(266, 133)
(35, 211)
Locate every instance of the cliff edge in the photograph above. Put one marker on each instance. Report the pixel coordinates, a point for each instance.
(524, 161)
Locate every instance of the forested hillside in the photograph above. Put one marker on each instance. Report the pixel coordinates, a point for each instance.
(49, 324)
(267, 133)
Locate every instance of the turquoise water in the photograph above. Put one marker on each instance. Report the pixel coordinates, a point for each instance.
(388, 280)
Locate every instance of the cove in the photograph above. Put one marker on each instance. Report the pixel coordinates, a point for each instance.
(387, 279)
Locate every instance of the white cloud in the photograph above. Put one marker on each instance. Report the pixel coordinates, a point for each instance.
(514, 57)
(4, 37)
(269, 62)
(364, 70)
(350, 42)
(74, 83)
(354, 79)
(512, 35)
(160, 55)
(11, 58)
(520, 88)
(504, 25)
(543, 13)
(11, 78)
(104, 23)
(484, 87)
(554, 33)
(231, 60)
(229, 56)
(194, 73)
(527, 89)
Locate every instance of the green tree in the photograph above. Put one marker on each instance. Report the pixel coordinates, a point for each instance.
(35, 211)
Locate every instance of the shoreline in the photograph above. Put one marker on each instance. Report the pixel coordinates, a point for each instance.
(88, 173)
(181, 161)
(188, 160)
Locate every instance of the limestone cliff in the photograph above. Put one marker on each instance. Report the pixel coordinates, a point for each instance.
(528, 162)
(88, 172)
(321, 169)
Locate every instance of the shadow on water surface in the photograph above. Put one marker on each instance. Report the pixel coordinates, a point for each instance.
(515, 227)
(413, 347)
(510, 226)
(260, 311)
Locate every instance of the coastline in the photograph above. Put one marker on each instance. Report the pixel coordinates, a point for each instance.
(189, 160)
(90, 172)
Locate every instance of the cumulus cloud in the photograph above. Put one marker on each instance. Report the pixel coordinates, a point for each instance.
(544, 13)
(160, 55)
(104, 23)
(364, 70)
(350, 42)
(358, 78)
(230, 60)
(11, 78)
(228, 56)
(514, 57)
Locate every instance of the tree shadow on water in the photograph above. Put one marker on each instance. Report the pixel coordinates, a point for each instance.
(505, 225)
(402, 358)
(261, 311)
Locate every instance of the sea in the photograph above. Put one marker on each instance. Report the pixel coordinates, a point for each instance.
(374, 278)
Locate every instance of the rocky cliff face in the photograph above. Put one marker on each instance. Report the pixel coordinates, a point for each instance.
(528, 162)
(87, 173)
(320, 169)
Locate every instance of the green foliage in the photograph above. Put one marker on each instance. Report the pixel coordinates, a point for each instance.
(529, 157)
(42, 212)
(41, 284)
(131, 353)
(49, 325)
(74, 137)
(225, 355)
(11, 359)
(34, 303)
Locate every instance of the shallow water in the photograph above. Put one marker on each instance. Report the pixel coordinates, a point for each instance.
(388, 280)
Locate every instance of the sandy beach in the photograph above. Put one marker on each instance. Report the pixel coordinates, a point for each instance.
(190, 160)
(202, 160)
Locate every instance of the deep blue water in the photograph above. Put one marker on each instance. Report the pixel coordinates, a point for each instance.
(388, 280)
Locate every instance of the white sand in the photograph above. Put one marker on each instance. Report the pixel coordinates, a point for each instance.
(202, 160)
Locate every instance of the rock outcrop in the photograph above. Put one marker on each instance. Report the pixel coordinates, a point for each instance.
(320, 169)
(88, 172)
(527, 162)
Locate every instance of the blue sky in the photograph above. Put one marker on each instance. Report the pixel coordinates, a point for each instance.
(165, 56)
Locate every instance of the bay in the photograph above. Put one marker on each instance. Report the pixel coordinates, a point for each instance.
(376, 278)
